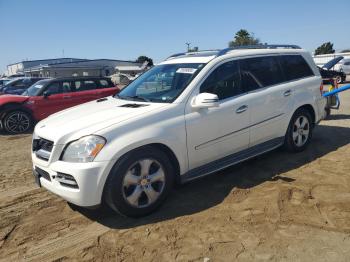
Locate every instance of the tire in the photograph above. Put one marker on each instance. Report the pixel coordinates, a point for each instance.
(139, 182)
(299, 133)
(18, 122)
(339, 79)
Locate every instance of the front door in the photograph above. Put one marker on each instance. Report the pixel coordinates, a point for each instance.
(56, 97)
(214, 133)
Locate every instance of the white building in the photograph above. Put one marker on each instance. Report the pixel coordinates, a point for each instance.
(65, 67)
(320, 60)
(18, 68)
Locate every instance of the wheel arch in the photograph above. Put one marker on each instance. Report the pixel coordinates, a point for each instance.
(4, 109)
(311, 110)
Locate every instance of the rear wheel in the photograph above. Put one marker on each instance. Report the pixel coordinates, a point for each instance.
(339, 79)
(299, 131)
(18, 122)
(139, 182)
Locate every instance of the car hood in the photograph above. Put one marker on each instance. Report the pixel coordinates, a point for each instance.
(4, 99)
(91, 117)
(332, 62)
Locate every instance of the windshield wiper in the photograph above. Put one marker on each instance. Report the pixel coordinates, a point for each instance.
(136, 98)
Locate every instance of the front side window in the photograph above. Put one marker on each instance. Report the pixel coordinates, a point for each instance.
(224, 81)
(162, 83)
(295, 67)
(36, 88)
(53, 88)
(260, 72)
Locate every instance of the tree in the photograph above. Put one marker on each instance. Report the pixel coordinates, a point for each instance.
(345, 51)
(141, 59)
(325, 48)
(243, 37)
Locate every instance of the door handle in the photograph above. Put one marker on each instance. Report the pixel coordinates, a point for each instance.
(241, 109)
(66, 97)
(287, 93)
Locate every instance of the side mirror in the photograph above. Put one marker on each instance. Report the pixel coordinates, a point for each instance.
(46, 94)
(205, 100)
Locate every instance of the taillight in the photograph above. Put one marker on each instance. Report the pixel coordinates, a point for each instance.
(321, 88)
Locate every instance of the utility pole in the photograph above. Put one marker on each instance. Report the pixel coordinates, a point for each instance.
(63, 53)
(188, 46)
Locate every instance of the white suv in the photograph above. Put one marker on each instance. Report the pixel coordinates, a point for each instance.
(189, 116)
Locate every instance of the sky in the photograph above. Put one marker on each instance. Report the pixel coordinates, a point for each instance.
(40, 29)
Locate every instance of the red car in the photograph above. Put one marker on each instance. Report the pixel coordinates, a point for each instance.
(19, 113)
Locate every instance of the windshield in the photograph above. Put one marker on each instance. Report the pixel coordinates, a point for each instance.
(34, 90)
(162, 83)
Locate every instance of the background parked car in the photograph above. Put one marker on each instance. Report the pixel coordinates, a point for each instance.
(327, 73)
(19, 113)
(4, 81)
(345, 66)
(18, 85)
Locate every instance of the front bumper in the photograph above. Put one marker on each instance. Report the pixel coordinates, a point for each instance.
(90, 178)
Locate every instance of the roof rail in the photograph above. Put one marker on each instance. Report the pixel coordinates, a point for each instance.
(226, 50)
(195, 53)
(218, 52)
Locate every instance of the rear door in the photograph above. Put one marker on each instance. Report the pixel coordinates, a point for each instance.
(84, 91)
(270, 97)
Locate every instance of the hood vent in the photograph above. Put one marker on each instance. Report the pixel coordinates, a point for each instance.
(134, 105)
(101, 99)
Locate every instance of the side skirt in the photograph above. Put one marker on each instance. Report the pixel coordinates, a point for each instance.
(231, 160)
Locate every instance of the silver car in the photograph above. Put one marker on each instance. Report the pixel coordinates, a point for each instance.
(344, 66)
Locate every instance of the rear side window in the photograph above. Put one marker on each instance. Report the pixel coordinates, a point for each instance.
(66, 86)
(295, 67)
(84, 85)
(103, 83)
(260, 72)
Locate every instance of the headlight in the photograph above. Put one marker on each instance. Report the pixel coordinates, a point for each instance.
(83, 150)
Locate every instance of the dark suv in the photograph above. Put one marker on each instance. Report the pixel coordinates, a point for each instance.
(19, 113)
(18, 85)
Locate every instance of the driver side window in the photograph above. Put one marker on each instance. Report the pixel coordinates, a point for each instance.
(224, 81)
(53, 89)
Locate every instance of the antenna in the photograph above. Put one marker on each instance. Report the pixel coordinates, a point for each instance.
(188, 46)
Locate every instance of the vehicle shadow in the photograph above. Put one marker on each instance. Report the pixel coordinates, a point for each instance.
(338, 117)
(210, 191)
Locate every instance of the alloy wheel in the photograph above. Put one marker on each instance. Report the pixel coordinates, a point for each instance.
(143, 183)
(301, 130)
(17, 122)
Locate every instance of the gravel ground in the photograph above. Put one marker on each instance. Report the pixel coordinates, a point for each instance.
(276, 207)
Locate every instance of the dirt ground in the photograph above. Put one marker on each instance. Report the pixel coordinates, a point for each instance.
(277, 207)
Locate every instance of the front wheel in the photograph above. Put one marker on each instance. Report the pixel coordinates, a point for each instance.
(299, 131)
(18, 122)
(139, 182)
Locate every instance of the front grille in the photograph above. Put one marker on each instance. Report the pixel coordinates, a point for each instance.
(43, 173)
(42, 148)
(43, 144)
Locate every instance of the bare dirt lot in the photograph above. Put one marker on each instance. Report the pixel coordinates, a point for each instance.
(277, 207)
